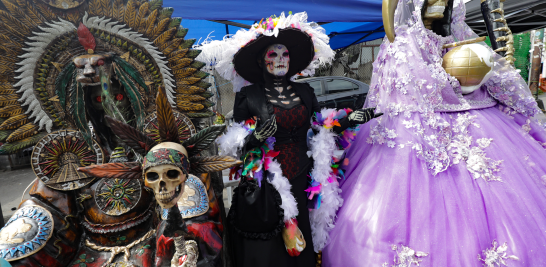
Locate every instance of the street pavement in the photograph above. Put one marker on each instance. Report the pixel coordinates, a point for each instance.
(12, 185)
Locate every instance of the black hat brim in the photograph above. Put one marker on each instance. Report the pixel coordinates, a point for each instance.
(299, 44)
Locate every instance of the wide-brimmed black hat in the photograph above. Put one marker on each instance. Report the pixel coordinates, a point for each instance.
(299, 44)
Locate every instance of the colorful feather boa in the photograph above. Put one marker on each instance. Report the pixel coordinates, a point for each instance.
(324, 189)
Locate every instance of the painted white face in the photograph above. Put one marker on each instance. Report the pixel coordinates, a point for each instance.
(277, 59)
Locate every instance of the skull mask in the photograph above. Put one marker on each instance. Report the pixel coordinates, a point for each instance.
(88, 68)
(277, 59)
(434, 11)
(165, 171)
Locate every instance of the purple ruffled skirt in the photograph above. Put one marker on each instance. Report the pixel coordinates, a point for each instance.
(397, 213)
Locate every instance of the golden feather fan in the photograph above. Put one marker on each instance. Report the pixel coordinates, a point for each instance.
(164, 37)
(22, 132)
(161, 26)
(130, 14)
(178, 54)
(140, 22)
(188, 106)
(190, 90)
(180, 64)
(14, 122)
(8, 99)
(187, 81)
(11, 110)
(190, 98)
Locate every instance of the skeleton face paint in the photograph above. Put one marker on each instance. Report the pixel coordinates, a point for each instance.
(277, 59)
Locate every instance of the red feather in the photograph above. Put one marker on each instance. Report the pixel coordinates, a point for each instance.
(86, 38)
(126, 170)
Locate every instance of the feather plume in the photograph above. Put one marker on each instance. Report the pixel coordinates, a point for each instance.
(77, 110)
(186, 80)
(94, 7)
(168, 131)
(31, 11)
(190, 98)
(166, 13)
(161, 26)
(170, 46)
(19, 13)
(13, 25)
(87, 40)
(200, 114)
(189, 90)
(203, 139)
(118, 10)
(8, 99)
(134, 96)
(46, 12)
(179, 65)
(132, 137)
(156, 4)
(125, 170)
(24, 131)
(105, 7)
(4, 134)
(164, 37)
(11, 148)
(14, 122)
(62, 81)
(212, 164)
(178, 54)
(150, 22)
(189, 106)
(11, 110)
(109, 105)
(140, 22)
(132, 72)
(130, 14)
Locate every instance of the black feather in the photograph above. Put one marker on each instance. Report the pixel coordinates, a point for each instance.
(131, 71)
(203, 139)
(62, 81)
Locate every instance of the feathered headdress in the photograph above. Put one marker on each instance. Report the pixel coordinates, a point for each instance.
(307, 38)
(168, 132)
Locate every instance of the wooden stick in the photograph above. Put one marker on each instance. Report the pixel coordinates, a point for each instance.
(470, 41)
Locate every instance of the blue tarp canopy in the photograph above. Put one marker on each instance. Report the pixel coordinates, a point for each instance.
(346, 21)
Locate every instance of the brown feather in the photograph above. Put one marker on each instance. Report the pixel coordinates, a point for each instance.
(161, 26)
(94, 7)
(125, 170)
(180, 64)
(190, 90)
(19, 14)
(140, 22)
(190, 98)
(150, 22)
(130, 14)
(137, 140)
(31, 11)
(11, 111)
(118, 10)
(168, 131)
(170, 46)
(46, 12)
(178, 54)
(164, 37)
(188, 106)
(212, 164)
(24, 131)
(16, 26)
(8, 99)
(105, 7)
(14, 122)
(186, 80)
(7, 91)
(73, 17)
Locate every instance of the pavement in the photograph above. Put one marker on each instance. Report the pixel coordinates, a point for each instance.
(12, 186)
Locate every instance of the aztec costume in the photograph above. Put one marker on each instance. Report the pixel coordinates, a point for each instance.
(452, 174)
(65, 66)
(269, 216)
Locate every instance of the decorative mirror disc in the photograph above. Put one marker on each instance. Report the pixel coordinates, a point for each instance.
(25, 233)
(117, 196)
(64, 4)
(57, 157)
(185, 127)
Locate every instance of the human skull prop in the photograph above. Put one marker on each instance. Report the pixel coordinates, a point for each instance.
(434, 11)
(277, 59)
(165, 171)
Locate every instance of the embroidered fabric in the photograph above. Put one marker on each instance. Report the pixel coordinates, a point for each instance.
(496, 256)
(406, 257)
(292, 156)
(409, 85)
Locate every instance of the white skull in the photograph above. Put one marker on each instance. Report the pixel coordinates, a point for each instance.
(277, 59)
(167, 180)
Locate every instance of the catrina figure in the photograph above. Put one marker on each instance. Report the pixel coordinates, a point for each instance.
(65, 67)
(166, 169)
(280, 183)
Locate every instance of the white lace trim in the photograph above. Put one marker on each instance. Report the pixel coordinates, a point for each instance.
(496, 256)
(406, 257)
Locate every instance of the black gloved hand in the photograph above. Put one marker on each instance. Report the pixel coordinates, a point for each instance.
(266, 130)
(362, 116)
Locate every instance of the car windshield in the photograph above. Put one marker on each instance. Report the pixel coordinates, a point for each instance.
(317, 86)
(337, 86)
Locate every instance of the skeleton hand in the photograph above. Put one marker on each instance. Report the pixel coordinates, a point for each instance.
(362, 116)
(190, 258)
(266, 130)
(293, 238)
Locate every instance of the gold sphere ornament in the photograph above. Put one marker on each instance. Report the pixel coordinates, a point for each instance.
(470, 64)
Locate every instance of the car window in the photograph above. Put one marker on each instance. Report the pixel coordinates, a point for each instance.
(337, 86)
(317, 86)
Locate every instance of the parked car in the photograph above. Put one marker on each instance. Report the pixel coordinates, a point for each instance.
(338, 92)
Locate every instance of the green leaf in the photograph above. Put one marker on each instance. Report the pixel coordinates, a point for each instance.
(131, 71)
(62, 82)
(11, 148)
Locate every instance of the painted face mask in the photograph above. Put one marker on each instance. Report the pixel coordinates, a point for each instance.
(277, 59)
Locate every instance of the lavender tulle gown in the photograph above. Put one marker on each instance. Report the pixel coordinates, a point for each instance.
(442, 179)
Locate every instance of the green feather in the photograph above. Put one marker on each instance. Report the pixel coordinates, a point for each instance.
(205, 114)
(203, 139)
(207, 94)
(77, 110)
(62, 81)
(4, 134)
(181, 33)
(155, 4)
(108, 102)
(12, 148)
(175, 22)
(131, 71)
(165, 13)
(188, 43)
(134, 97)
